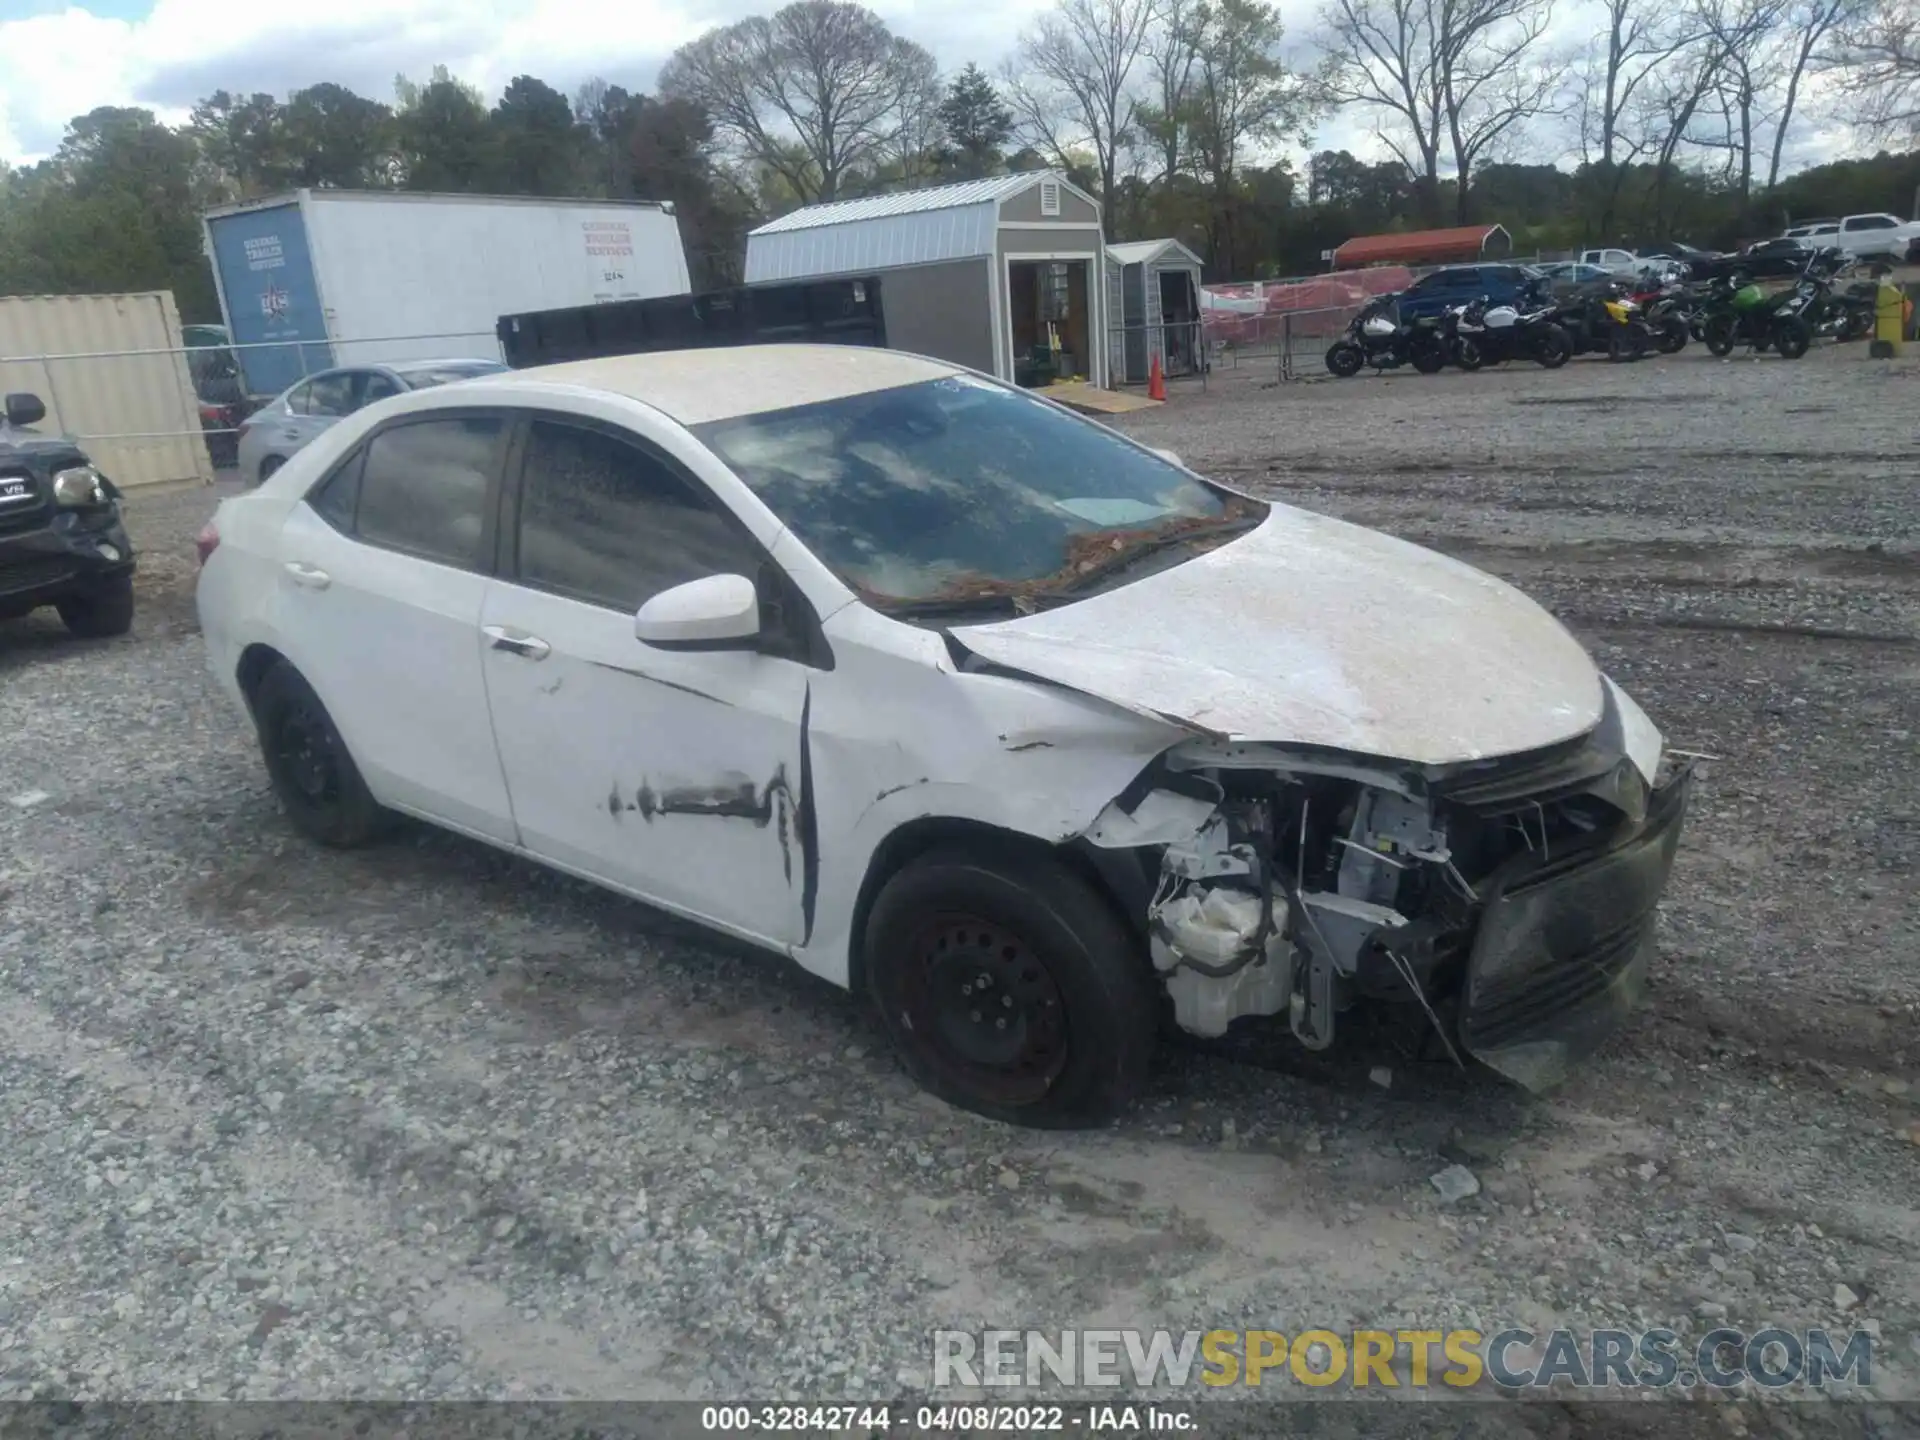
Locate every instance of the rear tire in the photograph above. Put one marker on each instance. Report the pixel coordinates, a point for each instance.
(1720, 333)
(268, 466)
(1011, 989)
(99, 613)
(1791, 337)
(315, 778)
(1344, 359)
(1468, 355)
(1428, 359)
(1673, 337)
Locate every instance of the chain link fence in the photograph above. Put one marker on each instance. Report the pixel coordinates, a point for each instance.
(221, 377)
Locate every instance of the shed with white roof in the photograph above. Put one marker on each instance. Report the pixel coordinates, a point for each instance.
(1002, 275)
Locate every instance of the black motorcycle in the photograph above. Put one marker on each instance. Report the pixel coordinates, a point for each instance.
(1378, 337)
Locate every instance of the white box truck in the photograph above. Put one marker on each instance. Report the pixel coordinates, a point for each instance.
(335, 277)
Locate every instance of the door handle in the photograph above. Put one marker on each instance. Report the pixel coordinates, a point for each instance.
(527, 647)
(308, 576)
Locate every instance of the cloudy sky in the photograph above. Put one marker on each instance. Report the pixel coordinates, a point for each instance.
(60, 59)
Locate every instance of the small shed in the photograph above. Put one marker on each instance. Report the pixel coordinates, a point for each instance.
(1153, 305)
(983, 273)
(1425, 247)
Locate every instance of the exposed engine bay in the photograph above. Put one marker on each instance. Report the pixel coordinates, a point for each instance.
(1511, 901)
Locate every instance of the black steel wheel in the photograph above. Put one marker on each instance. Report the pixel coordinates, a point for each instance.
(313, 774)
(1011, 990)
(1344, 359)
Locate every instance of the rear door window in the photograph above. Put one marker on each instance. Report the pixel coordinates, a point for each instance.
(1872, 222)
(330, 395)
(374, 386)
(425, 488)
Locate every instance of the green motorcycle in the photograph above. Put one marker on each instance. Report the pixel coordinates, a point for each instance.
(1738, 311)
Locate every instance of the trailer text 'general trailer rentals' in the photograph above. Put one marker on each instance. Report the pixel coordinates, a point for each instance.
(333, 277)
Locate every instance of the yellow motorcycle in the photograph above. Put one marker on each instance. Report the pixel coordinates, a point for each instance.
(1629, 335)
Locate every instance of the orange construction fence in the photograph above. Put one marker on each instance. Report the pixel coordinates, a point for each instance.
(1261, 311)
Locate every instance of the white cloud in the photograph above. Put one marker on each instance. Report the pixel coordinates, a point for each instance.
(60, 64)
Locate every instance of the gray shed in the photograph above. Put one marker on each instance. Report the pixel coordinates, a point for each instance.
(974, 273)
(1153, 297)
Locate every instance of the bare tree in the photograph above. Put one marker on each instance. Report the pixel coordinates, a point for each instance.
(1740, 32)
(1070, 82)
(1640, 38)
(1446, 76)
(814, 93)
(1877, 58)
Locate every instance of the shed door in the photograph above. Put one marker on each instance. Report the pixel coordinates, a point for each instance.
(1116, 320)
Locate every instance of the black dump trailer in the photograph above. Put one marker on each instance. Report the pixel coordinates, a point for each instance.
(820, 312)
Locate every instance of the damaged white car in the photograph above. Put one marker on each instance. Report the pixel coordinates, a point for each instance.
(958, 699)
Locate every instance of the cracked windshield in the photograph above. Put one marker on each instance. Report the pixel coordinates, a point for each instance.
(957, 490)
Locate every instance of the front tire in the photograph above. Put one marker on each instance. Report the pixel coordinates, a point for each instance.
(1791, 337)
(1721, 332)
(1468, 355)
(1344, 359)
(99, 613)
(1428, 359)
(1011, 989)
(1553, 349)
(1673, 337)
(315, 778)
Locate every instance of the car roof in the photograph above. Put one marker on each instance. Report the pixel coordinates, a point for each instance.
(720, 383)
(409, 367)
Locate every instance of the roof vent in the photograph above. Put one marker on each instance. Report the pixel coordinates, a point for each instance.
(1049, 197)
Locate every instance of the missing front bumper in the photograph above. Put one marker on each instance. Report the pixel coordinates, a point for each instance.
(1563, 947)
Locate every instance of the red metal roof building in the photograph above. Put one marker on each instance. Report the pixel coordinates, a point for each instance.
(1425, 247)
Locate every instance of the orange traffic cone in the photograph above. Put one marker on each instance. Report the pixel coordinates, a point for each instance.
(1156, 382)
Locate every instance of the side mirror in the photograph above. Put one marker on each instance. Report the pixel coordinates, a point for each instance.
(719, 612)
(24, 409)
(1171, 457)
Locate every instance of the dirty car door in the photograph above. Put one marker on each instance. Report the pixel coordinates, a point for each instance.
(674, 774)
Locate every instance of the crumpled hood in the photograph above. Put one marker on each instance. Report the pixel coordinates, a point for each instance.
(1311, 631)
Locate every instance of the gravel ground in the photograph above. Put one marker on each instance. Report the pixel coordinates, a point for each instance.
(424, 1121)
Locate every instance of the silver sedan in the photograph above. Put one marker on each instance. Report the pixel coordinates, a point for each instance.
(292, 419)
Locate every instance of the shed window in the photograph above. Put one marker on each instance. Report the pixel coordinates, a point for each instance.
(1049, 197)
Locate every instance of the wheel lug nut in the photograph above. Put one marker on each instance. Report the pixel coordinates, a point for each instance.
(976, 1015)
(1001, 1023)
(1006, 1002)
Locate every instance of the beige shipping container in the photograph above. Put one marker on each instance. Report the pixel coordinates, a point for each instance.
(112, 374)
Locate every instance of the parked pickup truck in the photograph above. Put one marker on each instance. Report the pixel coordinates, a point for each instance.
(1615, 261)
(1873, 237)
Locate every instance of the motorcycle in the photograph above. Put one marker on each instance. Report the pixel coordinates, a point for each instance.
(1376, 336)
(1493, 334)
(1609, 320)
(1739, 311)
(1667, 306)
(1844, 314)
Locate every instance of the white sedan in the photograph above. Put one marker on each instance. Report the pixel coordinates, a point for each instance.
(958, 699)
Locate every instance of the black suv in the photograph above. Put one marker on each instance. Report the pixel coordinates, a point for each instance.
(61, 539)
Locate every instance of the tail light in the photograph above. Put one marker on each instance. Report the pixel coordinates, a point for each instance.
(210, 415)
(206, 542)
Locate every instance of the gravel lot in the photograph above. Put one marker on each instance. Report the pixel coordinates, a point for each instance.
(424, 1121)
